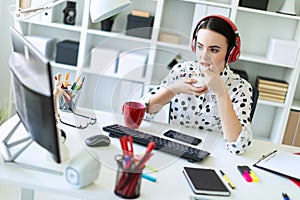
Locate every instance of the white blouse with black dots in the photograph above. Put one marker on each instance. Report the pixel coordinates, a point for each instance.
(201, 112)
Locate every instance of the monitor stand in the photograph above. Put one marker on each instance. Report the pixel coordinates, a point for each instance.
(10, 158)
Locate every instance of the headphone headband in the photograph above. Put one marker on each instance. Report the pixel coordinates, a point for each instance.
(235, 51)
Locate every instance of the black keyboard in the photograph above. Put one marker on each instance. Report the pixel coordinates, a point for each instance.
(190, 153)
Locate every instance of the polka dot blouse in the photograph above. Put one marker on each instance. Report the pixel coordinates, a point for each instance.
(201, 112)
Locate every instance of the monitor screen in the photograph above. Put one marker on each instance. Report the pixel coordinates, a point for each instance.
(32, 79)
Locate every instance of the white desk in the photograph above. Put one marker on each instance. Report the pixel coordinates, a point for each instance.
(171, 181)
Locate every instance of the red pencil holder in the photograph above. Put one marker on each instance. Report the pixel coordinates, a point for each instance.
(128, 181)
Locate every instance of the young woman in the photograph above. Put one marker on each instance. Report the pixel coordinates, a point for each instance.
(223, 103)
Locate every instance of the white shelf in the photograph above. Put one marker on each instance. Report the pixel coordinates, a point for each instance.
(210, 3)
(117, 35)
(58, 26)
(161, 53)
(174, 46)
(268, 13)
(63, 66)
(271, 103)
(296, 104)
(262, 59)
(115, 76)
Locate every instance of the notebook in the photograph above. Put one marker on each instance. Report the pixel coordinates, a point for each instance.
(205, 181)
(280, 162)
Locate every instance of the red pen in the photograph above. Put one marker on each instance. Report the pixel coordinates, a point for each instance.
(130, 140)
(150, 147)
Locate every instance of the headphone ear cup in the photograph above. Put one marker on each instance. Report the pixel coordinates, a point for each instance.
(194, 41)
(231, 57)
(236, 51)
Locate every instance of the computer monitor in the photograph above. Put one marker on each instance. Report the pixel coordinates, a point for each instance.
(33, 92)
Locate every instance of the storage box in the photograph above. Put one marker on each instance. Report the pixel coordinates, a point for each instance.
(44, 44)
(67, 52)
(283, 51)
(104, 60)
(168, 37)
(292, 131)
(132, 65)
(256, 4)
(139, 26)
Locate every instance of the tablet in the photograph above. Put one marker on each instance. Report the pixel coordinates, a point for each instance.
(205, 181)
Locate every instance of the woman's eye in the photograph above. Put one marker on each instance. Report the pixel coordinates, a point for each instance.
(214, 50)
(199, 47)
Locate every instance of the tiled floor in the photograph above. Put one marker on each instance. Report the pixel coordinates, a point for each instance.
(8, 192)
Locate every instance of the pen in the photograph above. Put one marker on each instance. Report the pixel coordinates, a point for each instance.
(139, 157)
(227, 179)
(148, 177)
(285, 196)
(266, 156)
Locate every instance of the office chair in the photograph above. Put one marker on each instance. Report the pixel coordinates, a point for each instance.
(255, 92)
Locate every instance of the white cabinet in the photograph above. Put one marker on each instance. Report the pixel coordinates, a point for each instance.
(178, 17)
(256, 29)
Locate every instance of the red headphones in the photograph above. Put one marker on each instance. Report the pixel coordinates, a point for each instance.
(236, 49)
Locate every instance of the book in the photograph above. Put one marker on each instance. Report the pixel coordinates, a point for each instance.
(205, 181)
(280, 162)
(271, 87)
(270, 96)
(272, 81)
(271, 99)
(272, 91)
(141, 13)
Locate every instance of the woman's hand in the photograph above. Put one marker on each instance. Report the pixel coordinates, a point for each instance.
(185, 86)
(214, 81)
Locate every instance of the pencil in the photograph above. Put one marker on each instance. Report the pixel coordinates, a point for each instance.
(227, 180)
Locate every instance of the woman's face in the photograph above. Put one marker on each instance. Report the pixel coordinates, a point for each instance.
(211, 49)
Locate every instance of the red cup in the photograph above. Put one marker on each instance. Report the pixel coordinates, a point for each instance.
(133, 114)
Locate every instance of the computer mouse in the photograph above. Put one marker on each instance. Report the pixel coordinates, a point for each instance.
(97, 141)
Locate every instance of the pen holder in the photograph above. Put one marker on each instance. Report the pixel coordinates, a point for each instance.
(68, 102)
(128, 180)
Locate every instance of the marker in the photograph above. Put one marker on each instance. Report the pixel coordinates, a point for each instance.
(139, 157)
(253, 176)
(149, 178)
(227, 179)
(245, 172)
(247, 176)
(285, 196)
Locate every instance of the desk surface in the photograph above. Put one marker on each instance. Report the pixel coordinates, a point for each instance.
(171, 182)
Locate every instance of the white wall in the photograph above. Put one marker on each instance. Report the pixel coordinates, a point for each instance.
(6, 21)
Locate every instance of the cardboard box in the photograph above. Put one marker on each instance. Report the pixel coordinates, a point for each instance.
(168, 37)
(256, 4)
(104, 60)
(67, 52)
(283, 51)
(139, 26)
(44, 44)
(292, 131)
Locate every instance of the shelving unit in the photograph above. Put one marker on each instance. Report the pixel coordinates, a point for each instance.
(106, 92)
